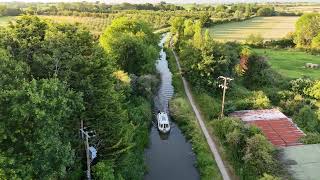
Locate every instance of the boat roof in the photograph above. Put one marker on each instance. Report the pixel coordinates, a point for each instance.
(163, 118)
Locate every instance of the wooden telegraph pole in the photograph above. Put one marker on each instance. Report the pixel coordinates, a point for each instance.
(84, 132)
(226, 80)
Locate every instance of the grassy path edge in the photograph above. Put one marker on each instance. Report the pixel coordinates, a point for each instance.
(211, 143)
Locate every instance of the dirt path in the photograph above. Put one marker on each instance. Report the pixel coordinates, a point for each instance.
(213, 148)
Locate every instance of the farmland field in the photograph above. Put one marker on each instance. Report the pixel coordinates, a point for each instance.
(94, 24)
(269, 27)
(5, 19)
(301, 8)
(290, 63)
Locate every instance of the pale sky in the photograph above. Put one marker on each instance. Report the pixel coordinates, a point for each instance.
(168, 1)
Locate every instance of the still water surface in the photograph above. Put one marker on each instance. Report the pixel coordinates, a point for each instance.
(168, 157)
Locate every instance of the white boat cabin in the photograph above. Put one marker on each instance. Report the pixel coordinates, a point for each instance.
(163, 122)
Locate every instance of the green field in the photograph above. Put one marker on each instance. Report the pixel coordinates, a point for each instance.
(5, 19)
(94, 24)
(291, 63)
(269, 27)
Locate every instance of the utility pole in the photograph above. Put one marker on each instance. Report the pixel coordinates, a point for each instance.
(85, 133)
(226, 80)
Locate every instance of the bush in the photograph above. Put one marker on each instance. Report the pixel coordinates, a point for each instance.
(265, 11)
(314, 90)
(247, 149)
(258, 157)
(311, 138)
(104, 170)
(307, 119)
(210, 107)
(259, 73)
(260, 100)
(269, 177)
(255, 40)
(292, 105)
(299, 85)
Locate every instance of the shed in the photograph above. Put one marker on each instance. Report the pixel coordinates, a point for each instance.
(277, 127)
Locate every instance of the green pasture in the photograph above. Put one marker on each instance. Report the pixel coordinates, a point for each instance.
(291, 63)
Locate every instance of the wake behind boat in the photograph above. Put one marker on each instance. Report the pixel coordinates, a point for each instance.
(163, 122)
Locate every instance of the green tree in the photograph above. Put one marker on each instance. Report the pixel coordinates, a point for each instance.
(316, 42)
(254, 39)
(132, 44)
(12, 72)
(265, 11)
(104, 170)
(177, 25)
(34, 137)
(258, 155)
(307, 28)
(198, 36)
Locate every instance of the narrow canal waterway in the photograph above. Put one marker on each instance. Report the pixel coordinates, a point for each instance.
(168, 157)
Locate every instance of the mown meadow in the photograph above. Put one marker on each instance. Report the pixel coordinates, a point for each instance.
(268, 27)
(291, 63)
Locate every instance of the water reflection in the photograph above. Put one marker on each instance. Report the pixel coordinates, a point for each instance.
(169, 156)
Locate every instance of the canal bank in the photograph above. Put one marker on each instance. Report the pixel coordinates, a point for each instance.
(168, 156)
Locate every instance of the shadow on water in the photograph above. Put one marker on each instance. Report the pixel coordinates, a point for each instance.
(169, 156)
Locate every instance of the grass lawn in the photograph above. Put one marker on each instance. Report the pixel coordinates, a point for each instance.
(269, 27)
(291, 63)
(5, 19)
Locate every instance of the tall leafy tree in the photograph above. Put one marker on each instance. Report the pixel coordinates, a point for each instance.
(33, 138)
(132, 44)
(307, 27)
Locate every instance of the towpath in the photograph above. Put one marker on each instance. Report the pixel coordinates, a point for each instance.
(211, 143)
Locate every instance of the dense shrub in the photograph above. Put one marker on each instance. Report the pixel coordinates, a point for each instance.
(266, 11)
(307, 119)
(247, 149)
(259, 73)
(292, 105)
(299, 85)
(311, 138)
(255, 40)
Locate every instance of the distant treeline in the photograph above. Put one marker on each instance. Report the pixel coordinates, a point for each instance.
(77, 8)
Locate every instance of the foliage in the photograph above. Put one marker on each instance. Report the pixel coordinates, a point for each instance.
(266, 11)
(103, 170)
(269, 177)
(63, 57)
(182, 113)
(307, 28)
(316, 42)
(259, 73)
(36, 117)
(311, 138)
(255, 40)
(132, 44)
(299, 85)
(260, 100)
(258, 155)
(314, 90)
(307, 119)
(247, 149)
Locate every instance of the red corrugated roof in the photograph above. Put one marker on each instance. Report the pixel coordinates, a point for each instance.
(279, 131)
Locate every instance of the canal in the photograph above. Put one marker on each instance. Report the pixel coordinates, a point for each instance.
(170, 156)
